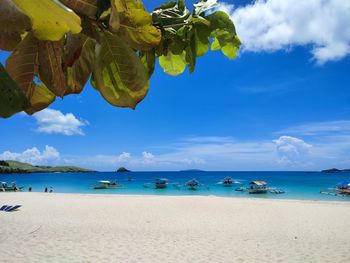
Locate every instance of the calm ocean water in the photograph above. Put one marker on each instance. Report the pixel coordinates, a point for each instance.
(297, 185)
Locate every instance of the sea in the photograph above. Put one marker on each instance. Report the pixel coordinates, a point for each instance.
(297, 185)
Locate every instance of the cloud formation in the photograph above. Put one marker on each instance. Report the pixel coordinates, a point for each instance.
(333, 128)
(271, 25)
(33, 155)
(292, 150)
(55, 122)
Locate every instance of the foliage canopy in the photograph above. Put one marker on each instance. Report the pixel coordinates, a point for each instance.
(57, 46)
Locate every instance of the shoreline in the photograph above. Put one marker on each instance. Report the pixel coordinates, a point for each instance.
(184, 196)
(60, 227)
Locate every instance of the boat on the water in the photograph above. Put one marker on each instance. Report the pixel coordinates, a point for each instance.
(258, 187)
(159, 183)
(342, 188)
(4, 187)
(227, 182)
(193, 184)
(104, 184)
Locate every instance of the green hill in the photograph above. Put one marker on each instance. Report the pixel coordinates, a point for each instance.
(8, 167)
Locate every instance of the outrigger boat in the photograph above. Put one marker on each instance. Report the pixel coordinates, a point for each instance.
(106, 185)
(6, 188)
(159, 183)
(341, 189)
(228, 182)
(258, 187)
(193, 184)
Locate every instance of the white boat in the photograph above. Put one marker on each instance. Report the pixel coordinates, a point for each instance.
(159, 183)
(258, 187)
(104, 184)
(227, 182)
(193, 184)
(341, 189)
(4, 187)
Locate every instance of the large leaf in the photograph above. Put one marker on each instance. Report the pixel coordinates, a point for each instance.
(118, 73)
(221, 20)
(191, 52)
(40, 98)
(224, 34)
(12, 98)
(12, 18)
(173, 64)
(202, 34)
(21, 66)
(79, 72)
(228, 43)
(22, 62)
(135, 24)
(49, 20)
(82, 7)
(50, 66)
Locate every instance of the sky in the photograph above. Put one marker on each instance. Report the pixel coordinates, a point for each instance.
(283, 104)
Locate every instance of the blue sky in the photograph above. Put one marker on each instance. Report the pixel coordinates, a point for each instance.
(283, 104)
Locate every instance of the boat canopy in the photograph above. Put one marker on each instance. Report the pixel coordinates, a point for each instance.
(258, 183)
(227, 178)
(161, 179)
(344, 184)
(104, 182)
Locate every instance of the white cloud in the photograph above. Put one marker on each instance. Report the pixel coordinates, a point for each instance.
(148, 157)
(53, 121)
(270, 25)
(292, 150)
(32, 155)
(124, 157)
(320, 128)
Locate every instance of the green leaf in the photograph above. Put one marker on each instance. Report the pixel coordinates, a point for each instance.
(191, 53)
(148, 58)
(49, 20)
(228, 43)
(221, 20)
(79, 72)
(12, 98)
(50, 66)
(82, 7)
(202, 34)
(230, 48)
(224, 34)
(118, 72)
(173, 64)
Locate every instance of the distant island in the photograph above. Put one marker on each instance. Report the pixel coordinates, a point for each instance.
(13, 167)
(123, 170)
(192, 170)
(335, 170)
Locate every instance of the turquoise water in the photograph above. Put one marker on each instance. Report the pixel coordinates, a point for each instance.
(298, 185)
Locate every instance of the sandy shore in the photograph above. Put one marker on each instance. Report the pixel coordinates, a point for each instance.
(111, 228)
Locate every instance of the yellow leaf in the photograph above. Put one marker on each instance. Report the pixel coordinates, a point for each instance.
(49, 20)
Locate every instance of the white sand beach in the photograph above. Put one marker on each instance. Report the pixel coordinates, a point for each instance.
(112, 228)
